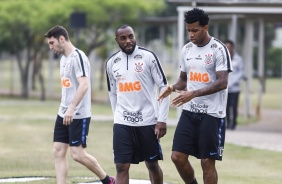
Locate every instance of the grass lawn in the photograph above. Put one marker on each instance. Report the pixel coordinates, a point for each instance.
(26, 128)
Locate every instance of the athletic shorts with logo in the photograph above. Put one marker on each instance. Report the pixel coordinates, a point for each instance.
(74, 134)
(200, 135)
(135, 144)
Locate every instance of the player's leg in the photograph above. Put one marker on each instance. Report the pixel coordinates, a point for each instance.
(235, 109)
(183, 167)
(151, 150)
(183, 146)
(123, 144)
(60, 147)
(209, 171)
(122, 176)
(211, 146)
(61, 164)
(77, 140)
(80, 155)
(155, 172)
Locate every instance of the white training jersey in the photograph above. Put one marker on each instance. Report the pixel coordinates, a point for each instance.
(201, 65)
(75, 65)
(132, 83)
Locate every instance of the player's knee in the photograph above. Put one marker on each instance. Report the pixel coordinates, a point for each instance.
(152, 166)
(207, 164)
(58, 152)
(176, 158)
(122, 168)
(76, 155)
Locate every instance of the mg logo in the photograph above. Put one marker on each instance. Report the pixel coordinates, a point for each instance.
(130, 86)
(66, 83)
(199, 77)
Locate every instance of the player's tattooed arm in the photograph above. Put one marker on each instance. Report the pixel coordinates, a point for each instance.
(219, 84)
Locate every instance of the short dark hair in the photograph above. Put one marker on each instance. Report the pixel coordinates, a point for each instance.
(230, 42)
(123, 26)
(56, 32)
(196, 15)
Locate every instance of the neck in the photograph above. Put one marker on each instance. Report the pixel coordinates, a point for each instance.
(205, 40)
(68, 48)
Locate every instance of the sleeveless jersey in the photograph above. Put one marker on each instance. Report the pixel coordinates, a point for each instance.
(132, 84)
(75, 65)
(201, 65)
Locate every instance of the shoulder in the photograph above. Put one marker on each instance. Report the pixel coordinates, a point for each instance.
(217, 44)
(114, 58)
(144, 51)
(188, 46)
(79, 54)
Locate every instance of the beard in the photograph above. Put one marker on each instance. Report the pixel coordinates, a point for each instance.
(128, 52)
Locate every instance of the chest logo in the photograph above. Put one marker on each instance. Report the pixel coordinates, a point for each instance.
(199, 77)
(129, 86)
(139, 67)
(208, 59)
(137, 57)
(66, 82)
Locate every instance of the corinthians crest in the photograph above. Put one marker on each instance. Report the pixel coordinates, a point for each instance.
(139, 67)
(208, 59)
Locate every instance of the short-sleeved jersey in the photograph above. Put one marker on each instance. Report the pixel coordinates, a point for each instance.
(201, 65)
(73, 66)
(132, 83)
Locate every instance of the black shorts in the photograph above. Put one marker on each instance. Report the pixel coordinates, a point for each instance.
(200, 135)
(136, 144)
(74, 134)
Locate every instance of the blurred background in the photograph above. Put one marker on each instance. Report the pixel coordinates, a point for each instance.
(30, 86)
(30, 71)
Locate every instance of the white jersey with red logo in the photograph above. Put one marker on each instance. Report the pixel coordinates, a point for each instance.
(201, 65)
(75, 65)
(132, 83)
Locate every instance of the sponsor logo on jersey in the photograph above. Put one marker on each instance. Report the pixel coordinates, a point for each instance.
(199, 77)
(138, 56)
(129, 86)
(139, 67)
(65, 82)
(133, 117)
(199, 108)
(117, 60)
(208, 59)
(199, 57)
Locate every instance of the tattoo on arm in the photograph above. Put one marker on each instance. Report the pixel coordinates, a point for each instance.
(219, 84)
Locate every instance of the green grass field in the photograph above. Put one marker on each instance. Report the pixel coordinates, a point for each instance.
(26, 128)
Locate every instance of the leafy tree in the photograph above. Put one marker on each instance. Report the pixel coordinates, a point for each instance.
(24, 22)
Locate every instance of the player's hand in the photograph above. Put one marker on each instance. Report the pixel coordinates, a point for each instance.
(160, 129)
(165, 93)
(68, 117)
(182, 98)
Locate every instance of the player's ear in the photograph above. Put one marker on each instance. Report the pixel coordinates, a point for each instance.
(61, 39)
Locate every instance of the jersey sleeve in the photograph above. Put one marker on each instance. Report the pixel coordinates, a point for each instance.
(111, 86)
(81, 65)
(161, 82)
(182, 60)
(223, 60)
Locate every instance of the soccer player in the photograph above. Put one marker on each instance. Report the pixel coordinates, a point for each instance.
(234, 81)
(73, 119)
(133, 74)
(204, 64)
